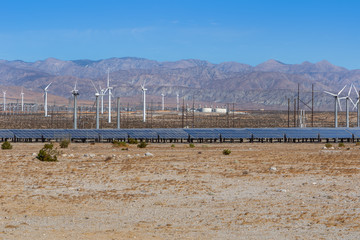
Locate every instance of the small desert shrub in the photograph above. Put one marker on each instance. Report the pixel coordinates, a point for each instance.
(64, 143)
(191, 145)
(132, 141)
(119, 144)
(48, 154)
(328, 145)
(92, 143)
(6, 145)
(341, 145)
(226, 151)
(142, 145)
(357, 143)
(48, 146)
(172, 145)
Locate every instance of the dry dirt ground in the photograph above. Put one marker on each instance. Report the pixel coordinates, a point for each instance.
(259, 191)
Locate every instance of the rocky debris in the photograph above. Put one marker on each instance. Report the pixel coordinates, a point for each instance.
(92, 155)
(148, 154)
(273, 169)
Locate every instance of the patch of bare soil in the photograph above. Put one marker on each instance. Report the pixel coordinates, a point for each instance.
(259, 191)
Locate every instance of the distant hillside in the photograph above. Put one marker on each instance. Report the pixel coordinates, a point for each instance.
(267, 85)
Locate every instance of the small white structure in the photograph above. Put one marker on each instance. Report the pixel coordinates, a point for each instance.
(206, 110)
(220, 110)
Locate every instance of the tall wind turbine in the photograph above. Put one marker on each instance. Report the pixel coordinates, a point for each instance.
(357, 106)
(109, 92)
(75, 93)
(143, 89)
(163, 101)
(337, 101)
(347, 98)
(177, 102)
(22, 100)
(45, 99)
(97, 94)
(4, 96)
(102, 94)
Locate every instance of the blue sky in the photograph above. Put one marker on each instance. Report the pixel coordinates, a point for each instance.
(243, 31)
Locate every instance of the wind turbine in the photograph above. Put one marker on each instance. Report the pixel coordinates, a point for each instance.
(177, 101)
(337, 101)
(347, 98)
(143, 89)
(102, 94)
(45, 98)
(97, 105)
(163, 101)
(4, 96)
(22, 100)
(109, 92)
(75, 93)
(356, 105)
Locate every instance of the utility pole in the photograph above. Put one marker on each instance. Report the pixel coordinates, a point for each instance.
(118, 112)
(288, 112)
(294, 112)
(298, 101)
(312, 106)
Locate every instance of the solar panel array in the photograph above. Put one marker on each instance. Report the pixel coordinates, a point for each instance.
(184, 133)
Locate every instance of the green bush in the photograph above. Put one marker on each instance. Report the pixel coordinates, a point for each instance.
(357, 143)
(48, 146)
(119, 144)
(328, 145)
(132, 141)
(191, 145)
(226, 151)
(64, 143)
(48, 154)
(6, 145)
(172, 145)
(142, 145)
(341, 145)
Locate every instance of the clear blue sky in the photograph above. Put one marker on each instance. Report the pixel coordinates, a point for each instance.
(243, 31)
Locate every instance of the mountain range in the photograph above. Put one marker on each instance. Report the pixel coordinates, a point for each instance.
(267, 85)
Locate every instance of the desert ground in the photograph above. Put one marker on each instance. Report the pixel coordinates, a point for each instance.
(259, 191)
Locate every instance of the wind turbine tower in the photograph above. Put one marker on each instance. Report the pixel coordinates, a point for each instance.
(143, 89)
(347, 98)
(337, 101)
(163, 101)
(97, 94)
(177, 102)
(75, 93)
(4, 96)
(22, 100)
(45, 99)
(357, 106)
(109, 92)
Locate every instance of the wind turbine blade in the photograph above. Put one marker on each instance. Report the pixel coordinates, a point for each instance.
(352, 102)
(355, 105)
(350, 90)
(342, 98)
(339, 104)
(357, 93)
(332, 94)
(105, 91)
(94, 86)
(48, 86)
(75, 85)
(341, 90)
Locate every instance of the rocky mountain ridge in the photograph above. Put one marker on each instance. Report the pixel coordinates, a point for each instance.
(267, 85)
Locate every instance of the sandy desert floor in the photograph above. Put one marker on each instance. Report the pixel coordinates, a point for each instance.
(259, 191)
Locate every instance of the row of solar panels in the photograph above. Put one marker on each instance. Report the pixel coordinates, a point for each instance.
(179, 133)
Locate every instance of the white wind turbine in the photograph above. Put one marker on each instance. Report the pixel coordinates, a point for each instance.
(356, 106)
(337, 101)
(143, 89)
(102, 94)
(45, 99)
(75, 93)
(162, 101)
(97, 94)
(347, 98)
(177, 102)
(109, 92)
(4, 96)
(22, 100)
